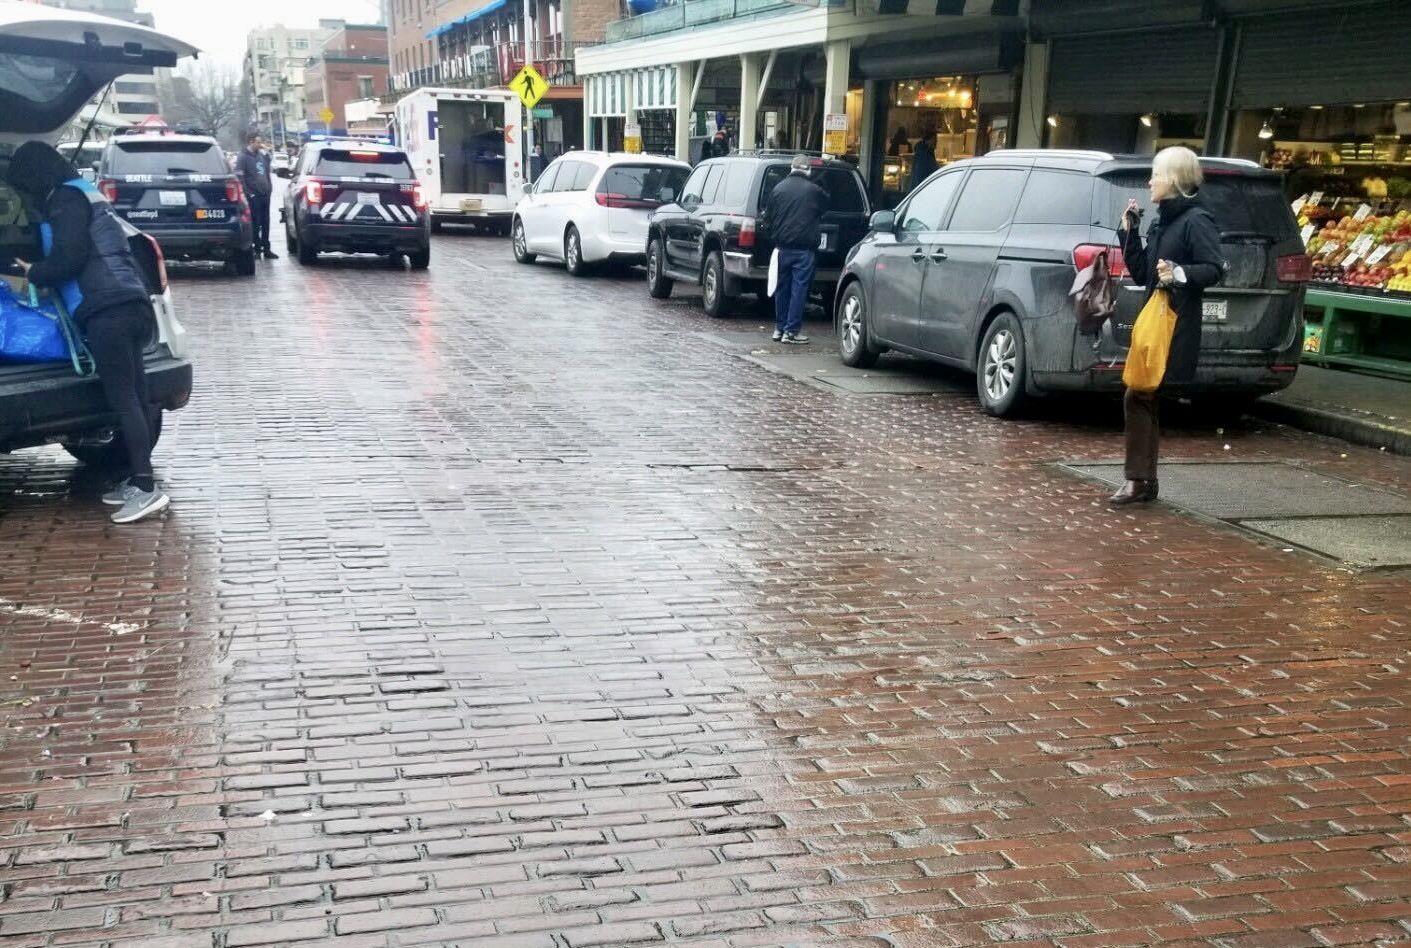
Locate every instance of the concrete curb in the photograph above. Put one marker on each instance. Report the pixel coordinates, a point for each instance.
(1364, 431)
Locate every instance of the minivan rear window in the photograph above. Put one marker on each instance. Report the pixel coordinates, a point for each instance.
(1239, 203)
(845, 194)
(358, 163)
(163, 158)
(643, 182)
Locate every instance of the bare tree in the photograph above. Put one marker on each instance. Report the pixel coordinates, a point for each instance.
(213, 101)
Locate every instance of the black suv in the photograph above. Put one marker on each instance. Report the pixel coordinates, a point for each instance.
(356, 197)
(974, 270)
(181, 190)
(714, 236)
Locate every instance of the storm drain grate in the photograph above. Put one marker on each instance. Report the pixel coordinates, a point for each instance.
(1357, 524)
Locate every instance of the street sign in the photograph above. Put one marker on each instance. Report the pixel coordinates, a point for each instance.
(545, 113)
(326, 114)
(529, 86)
(632, 139)
(835, 133)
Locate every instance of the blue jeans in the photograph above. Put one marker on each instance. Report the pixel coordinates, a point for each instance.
(795, 277)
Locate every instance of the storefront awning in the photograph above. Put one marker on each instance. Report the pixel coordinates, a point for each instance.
(468, 18)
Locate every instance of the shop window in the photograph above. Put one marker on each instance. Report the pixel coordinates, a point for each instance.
(987, 203)
(1055, 197)
(927, 207)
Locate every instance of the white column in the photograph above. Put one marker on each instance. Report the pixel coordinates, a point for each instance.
(685, 86)
(750, 69)
(588, 90)
(835, 82)
(1033, 98)
(629, 104)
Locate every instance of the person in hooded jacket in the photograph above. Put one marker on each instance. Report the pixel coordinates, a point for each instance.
(88, 262)
(1181, 255)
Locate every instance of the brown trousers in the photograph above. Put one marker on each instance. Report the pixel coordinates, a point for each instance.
(1143, 431)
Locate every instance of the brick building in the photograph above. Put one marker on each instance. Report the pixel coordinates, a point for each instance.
(351, 66)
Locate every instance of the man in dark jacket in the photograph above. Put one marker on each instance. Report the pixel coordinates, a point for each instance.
(253, 168)
(88, 263)
(794, 215)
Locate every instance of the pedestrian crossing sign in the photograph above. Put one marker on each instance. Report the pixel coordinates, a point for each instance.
(529, 86)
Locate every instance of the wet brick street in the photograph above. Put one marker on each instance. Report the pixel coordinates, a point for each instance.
(501, 608)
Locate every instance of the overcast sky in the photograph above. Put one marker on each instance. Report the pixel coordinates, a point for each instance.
(219, 28)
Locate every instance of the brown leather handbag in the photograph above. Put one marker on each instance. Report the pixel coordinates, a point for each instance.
(1094, 295)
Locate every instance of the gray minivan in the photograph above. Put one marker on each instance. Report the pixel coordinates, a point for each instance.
(974, 270)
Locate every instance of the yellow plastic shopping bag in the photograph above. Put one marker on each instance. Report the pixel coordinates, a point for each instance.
(1151, 344)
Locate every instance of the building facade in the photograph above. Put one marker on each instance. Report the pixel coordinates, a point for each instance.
(351, 67)
(275, 65)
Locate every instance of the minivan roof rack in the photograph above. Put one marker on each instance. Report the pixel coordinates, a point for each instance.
(778, 153)
(1090, 154)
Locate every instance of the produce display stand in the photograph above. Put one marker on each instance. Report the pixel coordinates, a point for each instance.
(1340, 340)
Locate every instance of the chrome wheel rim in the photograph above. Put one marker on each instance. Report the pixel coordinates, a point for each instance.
(1001, 364)
(573, 251)
(652, 264)
(710, 285)
(852, 322)
(519, 246)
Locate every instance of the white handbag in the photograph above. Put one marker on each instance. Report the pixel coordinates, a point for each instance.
(774, 271)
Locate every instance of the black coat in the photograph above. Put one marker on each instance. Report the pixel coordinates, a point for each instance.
(794, 213)
(1185, 234)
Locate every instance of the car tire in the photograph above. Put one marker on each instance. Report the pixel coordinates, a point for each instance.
(436, 225)
(573, 252)
(659, 285)
(1001, 375)
(244, 263)
(308, 253)
(520, 241)
(112, 454)
(713, 296)
(421, 259)
(290, 243)
(854, 336)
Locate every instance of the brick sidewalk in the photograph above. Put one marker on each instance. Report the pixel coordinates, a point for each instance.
(497, 609)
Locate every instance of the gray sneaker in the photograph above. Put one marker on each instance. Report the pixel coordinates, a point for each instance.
(141, 504)
(794, 339)
(120, 493)
(778, 334)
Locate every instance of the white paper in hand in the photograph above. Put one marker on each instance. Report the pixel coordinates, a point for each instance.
(773, 271)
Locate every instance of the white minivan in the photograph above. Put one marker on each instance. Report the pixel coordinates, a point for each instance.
(591, 206)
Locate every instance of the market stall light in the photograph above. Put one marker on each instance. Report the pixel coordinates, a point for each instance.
(1052, 121)
(1266, 131)
(1316, 108)
(1148, 119)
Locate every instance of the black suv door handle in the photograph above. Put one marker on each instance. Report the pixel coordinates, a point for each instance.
(938, 256)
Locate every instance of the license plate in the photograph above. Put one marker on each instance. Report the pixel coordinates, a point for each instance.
(210, 214)
(470, 204)
(823, 242)
(366, 198)
(1214, 311)
(172, 198)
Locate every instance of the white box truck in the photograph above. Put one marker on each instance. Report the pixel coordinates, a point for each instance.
(467, 148)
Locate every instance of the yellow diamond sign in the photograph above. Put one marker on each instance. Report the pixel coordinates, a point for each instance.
(529, 86)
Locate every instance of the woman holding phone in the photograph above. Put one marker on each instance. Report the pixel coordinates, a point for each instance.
(1181, 255)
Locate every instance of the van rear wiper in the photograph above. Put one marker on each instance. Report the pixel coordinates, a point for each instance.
(181, 171)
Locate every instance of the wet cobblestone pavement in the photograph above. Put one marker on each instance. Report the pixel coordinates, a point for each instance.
(501, 608)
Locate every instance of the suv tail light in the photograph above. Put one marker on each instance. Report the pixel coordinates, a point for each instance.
(233, 191)
(1294, 268)
(1085, 254)
(418, 196)
(109, 187)
(313, 192)
(747, 233)
(608, 199)
(161, 260)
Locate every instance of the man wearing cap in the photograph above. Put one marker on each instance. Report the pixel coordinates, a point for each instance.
(794, 216)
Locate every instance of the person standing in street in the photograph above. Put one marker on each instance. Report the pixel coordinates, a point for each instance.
(1181, 255)
(794, 215)
(924, 163)
(89, 264)
(253, 168)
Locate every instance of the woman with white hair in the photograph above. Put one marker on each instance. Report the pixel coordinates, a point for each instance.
(1182, 256)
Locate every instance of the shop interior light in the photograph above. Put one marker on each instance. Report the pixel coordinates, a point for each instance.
(1148, 119)
(1052, 121)
(1360, 105)
(1316, 108)
(1266, 131)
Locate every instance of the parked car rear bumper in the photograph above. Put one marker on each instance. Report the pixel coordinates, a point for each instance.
(367, 238)
(44, 403)
(742, 276)
(600, 247)
(202, 243)
(1216, 373)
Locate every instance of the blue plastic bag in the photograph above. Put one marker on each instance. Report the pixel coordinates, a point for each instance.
(30, 333)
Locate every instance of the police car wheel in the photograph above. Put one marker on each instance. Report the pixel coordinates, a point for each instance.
(420, 260)
(308, 254)
(435, 225)
(244, 263)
